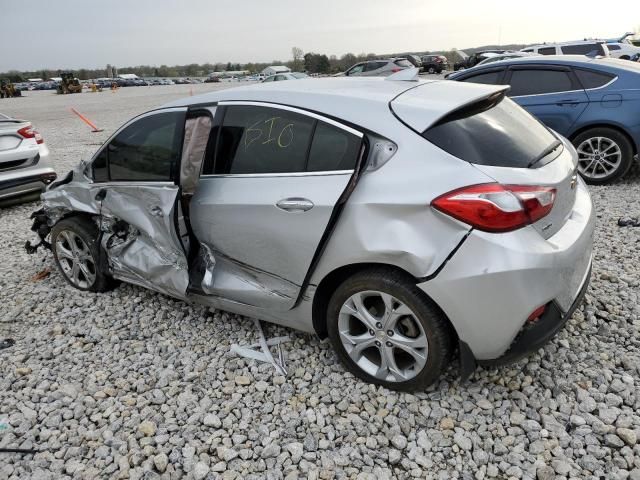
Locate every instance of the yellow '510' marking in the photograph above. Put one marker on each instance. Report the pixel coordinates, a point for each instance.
(256, 131)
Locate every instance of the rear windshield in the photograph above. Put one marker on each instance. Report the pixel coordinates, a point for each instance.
(502, 136)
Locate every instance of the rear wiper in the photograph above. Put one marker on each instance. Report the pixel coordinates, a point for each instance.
(545, 152)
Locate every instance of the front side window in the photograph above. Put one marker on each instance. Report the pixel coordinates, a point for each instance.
(146, 150)
(612, 46)
(262, 140)
(547, 51)
(490, 78)
(536, 82)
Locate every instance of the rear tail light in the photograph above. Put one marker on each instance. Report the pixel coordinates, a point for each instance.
(30, 132)
(492, 207)
(394, 70)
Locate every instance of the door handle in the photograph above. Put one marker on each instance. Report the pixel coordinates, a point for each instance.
(156, 211)
(295, 204)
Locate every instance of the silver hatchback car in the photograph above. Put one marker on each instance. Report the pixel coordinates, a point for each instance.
(378, 68)
(405, 220)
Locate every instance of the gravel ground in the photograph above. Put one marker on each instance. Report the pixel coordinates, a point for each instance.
(133, 384)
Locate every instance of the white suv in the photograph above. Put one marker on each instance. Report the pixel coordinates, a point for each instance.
(582, 47)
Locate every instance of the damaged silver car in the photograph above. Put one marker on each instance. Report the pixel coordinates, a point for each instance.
(405, 220)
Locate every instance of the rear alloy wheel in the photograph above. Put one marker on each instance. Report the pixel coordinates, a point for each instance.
(75, 249)
(604, 155)
(387, 332)
(432, 70)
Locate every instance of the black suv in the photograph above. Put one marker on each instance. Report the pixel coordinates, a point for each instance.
(434, 63)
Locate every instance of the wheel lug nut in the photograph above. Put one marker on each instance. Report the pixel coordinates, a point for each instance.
(389, 344)
(378, 344)
(371, 332)
(390, 333)
(378, 325)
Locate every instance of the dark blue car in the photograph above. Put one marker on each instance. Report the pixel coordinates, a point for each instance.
(593, 102)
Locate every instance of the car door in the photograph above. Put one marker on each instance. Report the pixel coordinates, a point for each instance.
(266, 201)
(134, 182)
(550, 93)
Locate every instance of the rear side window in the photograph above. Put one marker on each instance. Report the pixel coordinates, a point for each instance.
(403, 63)
(583, 49)
(370, 66)
(503, 136)
(262, 140)
(611, 46)
(490, 78)
(333, 149)
(591, 79)
(536, 82)
(547, 51)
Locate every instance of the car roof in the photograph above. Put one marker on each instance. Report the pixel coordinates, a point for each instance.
(360, 101)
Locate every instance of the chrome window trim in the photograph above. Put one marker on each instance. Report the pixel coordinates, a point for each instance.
(292, 174)
(300, 111)
(569, 91)
(135, 183)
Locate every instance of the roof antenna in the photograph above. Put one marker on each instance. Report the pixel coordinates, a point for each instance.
(407, 75)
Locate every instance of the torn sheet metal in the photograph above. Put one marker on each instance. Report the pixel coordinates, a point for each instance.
(264, 354)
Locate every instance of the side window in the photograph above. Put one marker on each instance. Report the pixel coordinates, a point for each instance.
(536, 82)
(146, 150)
(612, 46)
(279, 78)
(356, 69)
(488, 78)
(269, 79)
(99, 167)
(591, 79)
(527, 50)
(547, 51)
(262, 140)
(582, 49)
(333, 149)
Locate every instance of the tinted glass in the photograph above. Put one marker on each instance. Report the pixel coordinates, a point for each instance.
(262, 140)
(488, 78)
(370, 66)
(535, 82)
(357, 69)
(333, 149)
(99, 167)
(613, 47)
(582, 49)
(528, 50)
(591, 79)
(148, 149)
(503, 136)
(403, 63)
(547, 51)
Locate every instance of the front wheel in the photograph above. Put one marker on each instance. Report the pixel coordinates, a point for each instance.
(386, 331)
(604, 155)
(432, 70)
(76, 252)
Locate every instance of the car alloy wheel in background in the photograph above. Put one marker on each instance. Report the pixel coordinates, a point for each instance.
(598, 157)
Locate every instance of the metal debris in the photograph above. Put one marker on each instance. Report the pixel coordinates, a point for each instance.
(260, 351)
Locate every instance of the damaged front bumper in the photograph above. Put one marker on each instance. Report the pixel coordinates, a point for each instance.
(42, 227)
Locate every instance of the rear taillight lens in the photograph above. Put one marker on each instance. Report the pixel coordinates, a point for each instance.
(394, 70)
(497, 208)
(30, 132)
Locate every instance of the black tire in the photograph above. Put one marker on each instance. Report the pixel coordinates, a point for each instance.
(432, 70)
(87, 231)
(400, 286)
(626, 150)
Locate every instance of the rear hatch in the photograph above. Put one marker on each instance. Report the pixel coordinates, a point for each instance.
(499, 138)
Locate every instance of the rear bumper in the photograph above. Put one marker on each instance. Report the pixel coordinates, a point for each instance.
(29, 182)
(493, 283)
(534, 336)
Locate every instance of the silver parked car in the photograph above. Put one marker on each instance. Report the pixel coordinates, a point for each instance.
(378, 68)
(24, 161)
(279, 77)
(405, 220)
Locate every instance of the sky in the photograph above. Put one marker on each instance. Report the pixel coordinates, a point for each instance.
(80, 33)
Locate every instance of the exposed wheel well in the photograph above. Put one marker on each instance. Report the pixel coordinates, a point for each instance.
(606, 125)
(330, 283)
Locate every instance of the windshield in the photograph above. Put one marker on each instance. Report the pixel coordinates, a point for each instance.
(502, 136)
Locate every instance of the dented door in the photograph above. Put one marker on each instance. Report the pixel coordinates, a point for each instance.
(135, 187)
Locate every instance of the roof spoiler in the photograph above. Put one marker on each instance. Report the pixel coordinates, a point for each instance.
(473, 108)
(406, 75)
